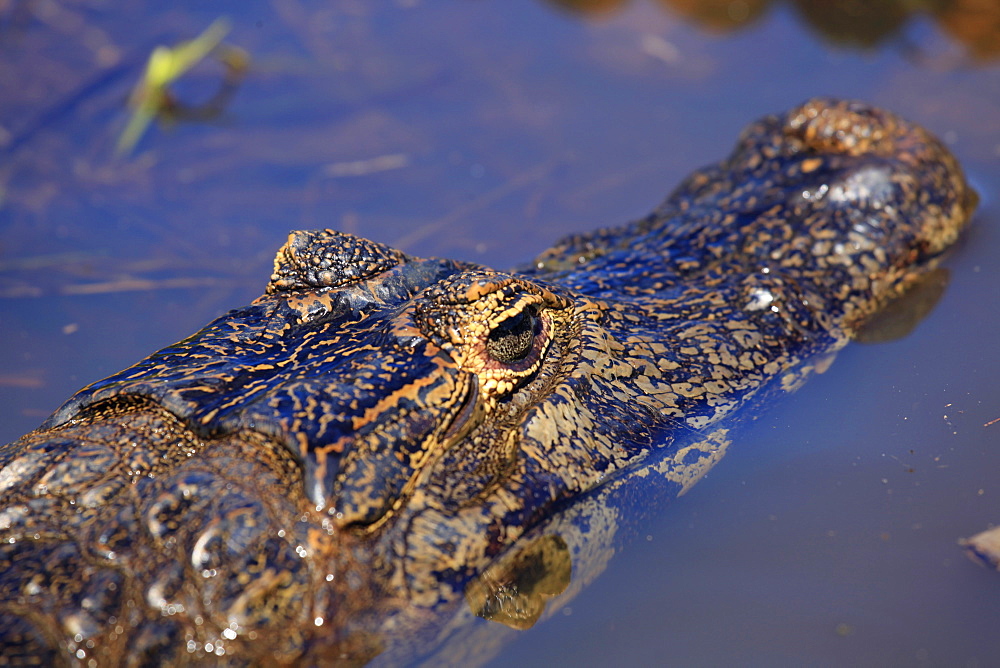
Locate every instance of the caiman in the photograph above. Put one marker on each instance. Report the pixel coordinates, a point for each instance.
(381, 446)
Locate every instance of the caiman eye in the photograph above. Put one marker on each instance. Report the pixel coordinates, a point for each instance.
(512, 339)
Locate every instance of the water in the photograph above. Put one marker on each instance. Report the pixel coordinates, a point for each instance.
(484, 131)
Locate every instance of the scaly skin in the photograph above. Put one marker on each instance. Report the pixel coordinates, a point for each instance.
(380, 441)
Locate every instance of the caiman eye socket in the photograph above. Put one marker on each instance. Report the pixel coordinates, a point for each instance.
(513, 339)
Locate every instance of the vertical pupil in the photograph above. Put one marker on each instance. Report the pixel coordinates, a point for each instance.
(511, 340)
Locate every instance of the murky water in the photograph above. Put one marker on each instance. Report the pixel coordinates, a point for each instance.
(484, 131)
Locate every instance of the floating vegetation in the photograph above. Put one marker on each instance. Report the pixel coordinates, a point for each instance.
(151, 98)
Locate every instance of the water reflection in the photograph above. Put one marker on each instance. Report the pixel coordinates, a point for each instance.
(514, 591)
(854, 23)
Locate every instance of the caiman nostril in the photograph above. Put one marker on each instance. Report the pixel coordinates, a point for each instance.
(971, 201)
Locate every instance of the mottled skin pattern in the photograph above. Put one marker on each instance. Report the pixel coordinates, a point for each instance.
(316, 476)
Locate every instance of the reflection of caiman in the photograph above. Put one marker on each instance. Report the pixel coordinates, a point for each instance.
(322, 473)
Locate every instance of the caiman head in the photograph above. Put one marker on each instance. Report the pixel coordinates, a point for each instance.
(392, 378)
(380, 437)
(367, 365)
